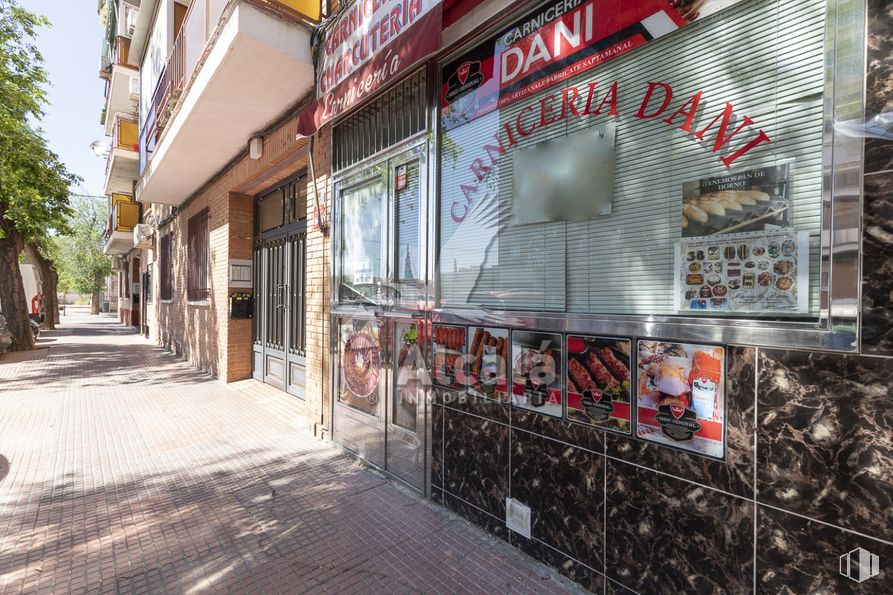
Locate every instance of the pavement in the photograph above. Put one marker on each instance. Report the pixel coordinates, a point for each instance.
(125, 470)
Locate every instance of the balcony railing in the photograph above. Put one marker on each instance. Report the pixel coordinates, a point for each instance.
(123, 217)
(198, 26)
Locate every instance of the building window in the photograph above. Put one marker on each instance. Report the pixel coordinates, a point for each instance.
(148, 289)
(166, 268)
(197, 273)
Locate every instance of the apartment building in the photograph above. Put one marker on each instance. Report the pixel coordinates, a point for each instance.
(588, 273)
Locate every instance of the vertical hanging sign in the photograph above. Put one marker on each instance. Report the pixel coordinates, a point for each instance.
(368, 46)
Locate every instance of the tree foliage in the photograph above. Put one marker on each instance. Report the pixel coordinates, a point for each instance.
(82, 265)
(34, 184)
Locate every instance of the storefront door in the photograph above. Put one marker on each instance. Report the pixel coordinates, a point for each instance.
(279, 354)
(381, 379)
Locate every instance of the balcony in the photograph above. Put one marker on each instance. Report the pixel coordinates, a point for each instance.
(122, 86)
(123, 217)
(233, 68)
(122, 167)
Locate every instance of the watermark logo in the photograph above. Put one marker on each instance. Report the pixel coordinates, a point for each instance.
(859, 565)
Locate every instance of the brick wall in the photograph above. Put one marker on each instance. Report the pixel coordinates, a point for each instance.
(203, 332)
(318, 286)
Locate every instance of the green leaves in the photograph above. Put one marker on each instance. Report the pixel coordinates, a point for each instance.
(79, 258)
(34, 185)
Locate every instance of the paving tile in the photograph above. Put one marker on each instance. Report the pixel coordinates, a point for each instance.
(127, 470)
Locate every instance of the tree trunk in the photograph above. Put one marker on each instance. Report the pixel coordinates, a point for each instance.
(94, 303)
(49, 281)
(12, 294)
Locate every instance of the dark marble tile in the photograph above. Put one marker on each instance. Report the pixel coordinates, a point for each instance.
(735, 474)
(437, 445)
(437, 495)
(825, 438)
(479, 406)
(476, 460)
(877, 265)
(665, 535)
(580, 435)
(491, 524)
(584, 576)
(879, 81)
(615, 588)
(564, 487)
(795, 555)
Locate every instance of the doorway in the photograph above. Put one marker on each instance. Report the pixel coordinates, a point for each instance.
(379, 322)
(280, 249)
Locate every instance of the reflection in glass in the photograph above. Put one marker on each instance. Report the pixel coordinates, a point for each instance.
(361, 243)
(410, 377)
(408, 265)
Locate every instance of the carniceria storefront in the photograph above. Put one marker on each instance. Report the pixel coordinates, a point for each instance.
(620, 294)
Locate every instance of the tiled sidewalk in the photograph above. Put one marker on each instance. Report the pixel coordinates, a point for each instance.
(123, 469)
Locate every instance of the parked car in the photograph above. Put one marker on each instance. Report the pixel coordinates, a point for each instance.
(5, 335)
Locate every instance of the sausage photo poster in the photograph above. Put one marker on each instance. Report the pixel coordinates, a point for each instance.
(449, 356)
(487, 362)
(597, 377)
(681, 396)
(536, 372)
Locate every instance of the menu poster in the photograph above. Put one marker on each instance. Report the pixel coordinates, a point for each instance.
(487, 362)
(680, 396)
(536, 372)
(598, 382)
(753, 200)
(753, 272)
(449, 356)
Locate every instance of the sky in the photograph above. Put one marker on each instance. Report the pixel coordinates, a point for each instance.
(70, 49)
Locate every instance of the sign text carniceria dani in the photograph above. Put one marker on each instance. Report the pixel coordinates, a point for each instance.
(370, 45)
(558, 41)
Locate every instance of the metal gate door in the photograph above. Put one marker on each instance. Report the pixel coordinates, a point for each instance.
(279, 345)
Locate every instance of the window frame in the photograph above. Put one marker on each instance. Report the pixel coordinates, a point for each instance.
(198, 257)
(165, 268)
(838, 325)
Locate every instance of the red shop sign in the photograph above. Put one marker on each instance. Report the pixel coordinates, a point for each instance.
(372, 43)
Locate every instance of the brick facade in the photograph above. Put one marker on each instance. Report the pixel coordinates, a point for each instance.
(202, 332)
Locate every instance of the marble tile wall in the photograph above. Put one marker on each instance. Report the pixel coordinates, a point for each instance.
(808, 475)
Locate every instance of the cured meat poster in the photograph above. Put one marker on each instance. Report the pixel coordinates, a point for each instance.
(449, 356)
(487, 362)
(536, 372)
(752, 272)
(598, 382)
(680, 396)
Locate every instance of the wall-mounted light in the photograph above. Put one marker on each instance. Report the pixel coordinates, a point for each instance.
(256, 147)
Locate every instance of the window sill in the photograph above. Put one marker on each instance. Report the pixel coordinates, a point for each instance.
(170, 301)
(198, 303)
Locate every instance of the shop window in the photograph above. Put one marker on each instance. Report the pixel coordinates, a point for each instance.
(360, 254)
(675, 176)
(197, 273)
(166, 268)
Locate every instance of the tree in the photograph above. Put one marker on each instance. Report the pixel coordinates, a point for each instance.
(38, 253)
(82, 262)
(34, 185)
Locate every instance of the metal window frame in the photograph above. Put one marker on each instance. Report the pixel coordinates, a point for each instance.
(838, 325)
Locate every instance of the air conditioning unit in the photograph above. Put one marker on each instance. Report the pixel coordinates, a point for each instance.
(142, 235)
(118, 264)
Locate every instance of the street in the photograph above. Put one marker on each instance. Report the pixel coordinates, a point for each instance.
(124, 469)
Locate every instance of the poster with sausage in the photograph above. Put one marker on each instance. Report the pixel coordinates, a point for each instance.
(487, 362)
(597, 377)
(449, 356)
(536, 372)
(680, 396)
